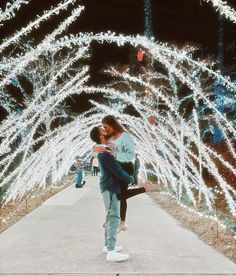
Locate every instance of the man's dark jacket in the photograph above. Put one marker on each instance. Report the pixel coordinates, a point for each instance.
(111, 173)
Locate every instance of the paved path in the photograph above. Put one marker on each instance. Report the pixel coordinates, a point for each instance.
(65, 235)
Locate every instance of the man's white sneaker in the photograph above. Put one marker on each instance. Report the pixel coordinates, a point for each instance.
(117, 249)
(113, 256)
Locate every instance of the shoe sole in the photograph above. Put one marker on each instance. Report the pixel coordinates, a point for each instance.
(116, 261)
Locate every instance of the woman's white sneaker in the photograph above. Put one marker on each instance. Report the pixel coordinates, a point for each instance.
(113, 256)
(123, 227)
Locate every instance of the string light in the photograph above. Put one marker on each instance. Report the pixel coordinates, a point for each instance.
(161, 144)
(224, 9)
(10, 10)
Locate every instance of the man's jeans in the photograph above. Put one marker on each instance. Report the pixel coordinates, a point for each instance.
(113, 218)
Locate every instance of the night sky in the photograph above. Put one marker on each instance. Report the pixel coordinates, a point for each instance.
(174, 21)
(182, 20)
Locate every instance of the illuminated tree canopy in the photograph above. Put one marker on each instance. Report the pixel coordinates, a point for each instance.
(57, 67)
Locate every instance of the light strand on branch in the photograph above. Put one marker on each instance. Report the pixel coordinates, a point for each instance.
(224, 9)
(9, 12)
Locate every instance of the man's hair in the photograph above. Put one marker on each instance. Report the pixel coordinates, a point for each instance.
(113, 122)
(95, 135)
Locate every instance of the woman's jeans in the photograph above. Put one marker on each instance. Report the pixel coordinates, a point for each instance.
(112, 206)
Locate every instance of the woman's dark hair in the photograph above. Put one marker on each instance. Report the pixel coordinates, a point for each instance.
(113, 122)
(95, 135)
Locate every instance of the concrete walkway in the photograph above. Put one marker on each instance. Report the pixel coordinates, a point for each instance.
(65, 237)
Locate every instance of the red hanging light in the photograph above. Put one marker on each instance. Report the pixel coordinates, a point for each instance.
(140, 55)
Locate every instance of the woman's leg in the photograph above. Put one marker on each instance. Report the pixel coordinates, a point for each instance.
(133, 192)
(123, 203)
(125, 194)
(129, 168)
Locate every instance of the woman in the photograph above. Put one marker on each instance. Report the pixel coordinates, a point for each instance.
(125, 155)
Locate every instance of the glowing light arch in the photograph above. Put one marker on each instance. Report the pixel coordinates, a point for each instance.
(173, 161)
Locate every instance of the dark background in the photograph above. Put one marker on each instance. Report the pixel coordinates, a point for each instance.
(174, 21)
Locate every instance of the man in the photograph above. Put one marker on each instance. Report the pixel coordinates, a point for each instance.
(111, 176)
